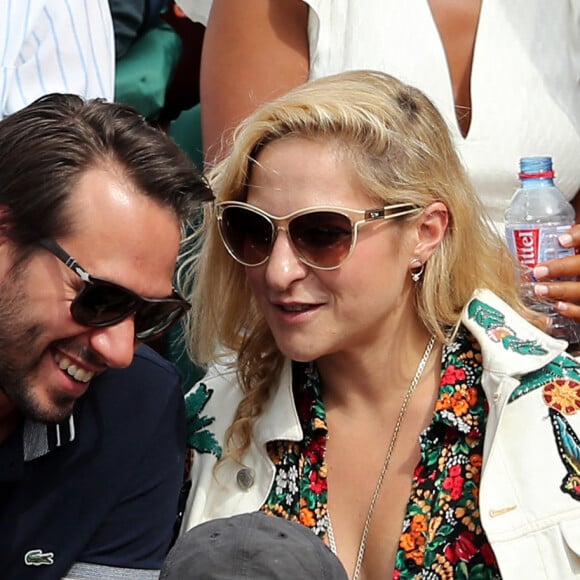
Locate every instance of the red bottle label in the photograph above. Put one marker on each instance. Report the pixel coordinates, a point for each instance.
(533, 245)
(527, 244)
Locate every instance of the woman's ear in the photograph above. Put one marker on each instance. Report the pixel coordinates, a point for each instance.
(431, 228)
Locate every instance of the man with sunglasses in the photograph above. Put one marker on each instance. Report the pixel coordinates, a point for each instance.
(92, 204)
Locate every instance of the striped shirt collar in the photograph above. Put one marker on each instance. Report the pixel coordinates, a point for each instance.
(41, 438)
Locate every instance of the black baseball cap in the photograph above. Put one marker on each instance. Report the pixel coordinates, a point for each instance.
(254, 546)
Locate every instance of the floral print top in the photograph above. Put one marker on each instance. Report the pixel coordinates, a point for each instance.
(442, 536)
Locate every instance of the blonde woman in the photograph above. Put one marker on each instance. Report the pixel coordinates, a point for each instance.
(372, 372)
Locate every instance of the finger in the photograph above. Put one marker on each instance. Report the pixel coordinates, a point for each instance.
(568, 310)
(571, 238)
(558, 291)
(568, 267)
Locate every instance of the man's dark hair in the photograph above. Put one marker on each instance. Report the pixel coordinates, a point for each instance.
(46, 147)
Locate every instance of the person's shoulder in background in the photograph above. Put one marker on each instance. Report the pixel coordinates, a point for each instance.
(55, 46)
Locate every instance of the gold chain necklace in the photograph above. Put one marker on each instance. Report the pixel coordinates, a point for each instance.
(376, 493)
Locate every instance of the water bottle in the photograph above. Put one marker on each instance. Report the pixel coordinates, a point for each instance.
(537, 215)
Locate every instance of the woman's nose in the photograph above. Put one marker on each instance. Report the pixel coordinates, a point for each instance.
(284, 266)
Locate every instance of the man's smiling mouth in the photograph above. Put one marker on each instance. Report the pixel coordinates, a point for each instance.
(78, 374)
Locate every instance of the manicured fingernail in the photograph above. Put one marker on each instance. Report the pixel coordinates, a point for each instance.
(540, 290)
(561, 306)
(540, 272)
(565, 239)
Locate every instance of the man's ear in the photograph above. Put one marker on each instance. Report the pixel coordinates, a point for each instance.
(5, 224)
(431, 228)
(7, 255)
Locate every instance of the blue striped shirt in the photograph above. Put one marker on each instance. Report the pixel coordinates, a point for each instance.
(50, 46)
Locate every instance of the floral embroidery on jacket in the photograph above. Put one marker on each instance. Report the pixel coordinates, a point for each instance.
(560, 379)
(560, 384)
(563, 395)
(198, 436)
(569, 451)
(493, 322)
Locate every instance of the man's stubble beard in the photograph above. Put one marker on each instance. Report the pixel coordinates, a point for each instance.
(19, 359)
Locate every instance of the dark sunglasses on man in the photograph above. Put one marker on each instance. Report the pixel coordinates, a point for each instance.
(103, 303)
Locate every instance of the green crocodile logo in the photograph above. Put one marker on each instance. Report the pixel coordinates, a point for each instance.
(38, 558)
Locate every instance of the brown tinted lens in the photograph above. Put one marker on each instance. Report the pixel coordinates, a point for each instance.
(247, 234)
(322, 238)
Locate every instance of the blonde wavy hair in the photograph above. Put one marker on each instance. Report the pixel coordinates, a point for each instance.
(402, 151)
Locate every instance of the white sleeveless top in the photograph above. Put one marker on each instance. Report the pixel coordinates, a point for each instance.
(525, 79)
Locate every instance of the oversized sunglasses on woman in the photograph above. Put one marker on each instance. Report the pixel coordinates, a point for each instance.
(323, 237)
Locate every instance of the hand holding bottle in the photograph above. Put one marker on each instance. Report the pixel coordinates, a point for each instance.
(566, 294)
(537, 221)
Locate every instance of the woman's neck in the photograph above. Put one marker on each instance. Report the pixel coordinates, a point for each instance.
(379, 375)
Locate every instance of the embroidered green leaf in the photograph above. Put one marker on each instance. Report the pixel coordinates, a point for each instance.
(493, 322)
(569, 368)
(486, 316)
(529, 383)
(205, 442)
(461, 571)
(522, 346)
(198, 437)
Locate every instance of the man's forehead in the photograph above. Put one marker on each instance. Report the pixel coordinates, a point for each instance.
(117, 232)
(108, 199)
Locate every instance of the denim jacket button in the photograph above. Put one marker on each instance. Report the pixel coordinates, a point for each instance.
(245, 478)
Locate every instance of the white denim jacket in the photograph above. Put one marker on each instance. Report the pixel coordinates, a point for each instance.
(530, 485)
